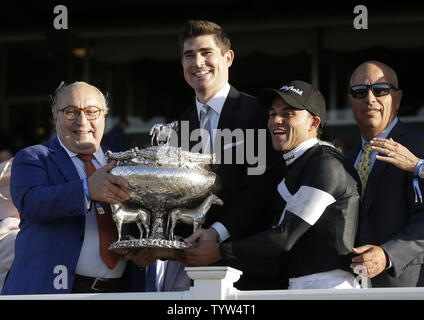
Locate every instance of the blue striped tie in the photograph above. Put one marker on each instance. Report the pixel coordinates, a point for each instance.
(151, 278)
(205, 114)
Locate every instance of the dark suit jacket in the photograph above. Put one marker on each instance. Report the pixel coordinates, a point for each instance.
(242, 194)
(48, 193)
(246, 209)
(391, 218)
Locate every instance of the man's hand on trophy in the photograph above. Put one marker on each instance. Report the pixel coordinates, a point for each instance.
(106, 187)
(142, 258)
(202, 253)
(209, 234)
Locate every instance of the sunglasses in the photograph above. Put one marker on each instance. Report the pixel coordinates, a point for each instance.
(360, 91)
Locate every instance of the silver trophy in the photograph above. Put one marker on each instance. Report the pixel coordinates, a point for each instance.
(167, 185)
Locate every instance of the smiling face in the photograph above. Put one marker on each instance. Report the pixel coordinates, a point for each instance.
(289, 127)
(80, 135)
(205, 66)
(373, 114)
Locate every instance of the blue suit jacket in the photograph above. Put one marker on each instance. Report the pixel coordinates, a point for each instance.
(48, 193)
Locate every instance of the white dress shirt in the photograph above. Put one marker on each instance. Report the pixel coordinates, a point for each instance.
(90, 263)
(216, 103)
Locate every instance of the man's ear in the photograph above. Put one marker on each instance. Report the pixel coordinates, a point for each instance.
(229, 57)
(315, 122)
(54, 116)
(398, 95)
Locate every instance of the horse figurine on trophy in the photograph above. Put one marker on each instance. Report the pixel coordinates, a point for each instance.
(160, 129)
(195, 216)
(122, 215)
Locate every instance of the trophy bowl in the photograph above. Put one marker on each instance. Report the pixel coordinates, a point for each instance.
(166, 185)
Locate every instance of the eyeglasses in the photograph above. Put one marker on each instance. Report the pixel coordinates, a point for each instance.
(360, 91)
(71, 112)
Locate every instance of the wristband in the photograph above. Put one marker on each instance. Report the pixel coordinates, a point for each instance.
(86, 190)
(418, 167)
(418, 195)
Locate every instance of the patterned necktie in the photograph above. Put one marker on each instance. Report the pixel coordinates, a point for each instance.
(364, 165)
(151, 278)
(205, 113)
(107, 228)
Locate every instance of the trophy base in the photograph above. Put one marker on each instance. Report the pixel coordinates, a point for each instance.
(165, 249)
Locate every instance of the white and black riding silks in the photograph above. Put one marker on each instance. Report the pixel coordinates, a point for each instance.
(316, 226)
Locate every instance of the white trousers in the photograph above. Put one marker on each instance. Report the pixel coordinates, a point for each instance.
(334, 279)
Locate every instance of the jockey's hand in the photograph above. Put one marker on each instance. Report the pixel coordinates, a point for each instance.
(202, 234)
(203, 253)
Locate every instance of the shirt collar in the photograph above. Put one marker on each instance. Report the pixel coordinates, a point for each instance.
(294, 154)
(98, 155)
(385, 133)
(217, 101)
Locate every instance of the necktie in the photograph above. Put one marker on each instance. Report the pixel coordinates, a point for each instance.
(364, 165)
(107, 228)
(205, 114)
(151, 278)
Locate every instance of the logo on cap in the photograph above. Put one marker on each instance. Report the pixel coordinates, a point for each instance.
(292, 88)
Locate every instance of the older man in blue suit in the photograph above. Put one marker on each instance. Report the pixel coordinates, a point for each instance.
(65, 219)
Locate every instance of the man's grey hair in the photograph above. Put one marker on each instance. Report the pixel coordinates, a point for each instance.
(62, 89)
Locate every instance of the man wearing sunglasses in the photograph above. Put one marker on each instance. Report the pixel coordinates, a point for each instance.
(63, 203)
(390, 245)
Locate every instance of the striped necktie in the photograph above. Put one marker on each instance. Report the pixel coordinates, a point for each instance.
(151, 278)
(364, 165)
(108, 232)
(205, 113)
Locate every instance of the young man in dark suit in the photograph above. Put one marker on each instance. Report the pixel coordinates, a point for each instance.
(391, 230)
(206, 57)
